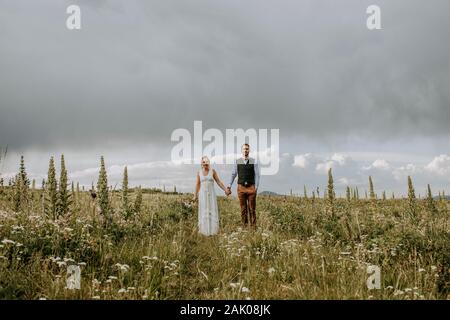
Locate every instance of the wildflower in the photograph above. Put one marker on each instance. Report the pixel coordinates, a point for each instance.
(421, 270)
(245, 289)
(7, 241)
(122, 267)
(96, 297)
(398, 292)
(122, 290)
(433, 268)
(271, 270)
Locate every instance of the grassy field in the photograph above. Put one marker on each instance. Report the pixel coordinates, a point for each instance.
(299, 251)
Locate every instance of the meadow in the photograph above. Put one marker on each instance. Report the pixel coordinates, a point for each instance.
(304, 248)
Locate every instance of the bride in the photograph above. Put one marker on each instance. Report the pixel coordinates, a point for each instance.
(208, 212)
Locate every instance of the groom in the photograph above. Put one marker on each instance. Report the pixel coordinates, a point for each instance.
(248, 174)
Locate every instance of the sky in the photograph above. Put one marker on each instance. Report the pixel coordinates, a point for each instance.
(362, 102)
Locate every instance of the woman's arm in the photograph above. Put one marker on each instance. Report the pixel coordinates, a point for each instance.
(197, 187)
(220, 183)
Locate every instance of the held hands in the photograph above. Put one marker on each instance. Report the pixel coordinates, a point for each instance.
(228, 191)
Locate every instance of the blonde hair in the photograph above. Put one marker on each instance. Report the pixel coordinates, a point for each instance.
(204, 159)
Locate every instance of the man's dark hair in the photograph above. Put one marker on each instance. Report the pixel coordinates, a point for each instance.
(245, 144)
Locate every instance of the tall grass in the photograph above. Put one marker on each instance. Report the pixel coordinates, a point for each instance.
(297, 252)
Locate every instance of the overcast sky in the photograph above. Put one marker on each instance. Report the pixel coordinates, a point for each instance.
(362, 102)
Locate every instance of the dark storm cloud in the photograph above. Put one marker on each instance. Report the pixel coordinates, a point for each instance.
(139, 69)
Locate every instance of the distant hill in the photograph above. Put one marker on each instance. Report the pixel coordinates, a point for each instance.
(268, 193)
(437, 197)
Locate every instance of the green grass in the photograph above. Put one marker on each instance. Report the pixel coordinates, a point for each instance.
(298, 251)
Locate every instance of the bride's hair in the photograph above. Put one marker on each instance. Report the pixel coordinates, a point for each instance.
(205, 160)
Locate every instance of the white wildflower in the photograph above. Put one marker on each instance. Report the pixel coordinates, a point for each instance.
(398, 292)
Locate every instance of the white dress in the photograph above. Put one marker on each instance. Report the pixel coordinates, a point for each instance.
(208, 212)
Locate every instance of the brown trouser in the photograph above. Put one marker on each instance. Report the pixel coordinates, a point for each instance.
(247, 199)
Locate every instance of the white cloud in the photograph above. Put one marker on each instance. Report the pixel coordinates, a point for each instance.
(339, 158)
(151, 173)
(303, 160)
(325, 166)
(380, 164)
(336, 160)
(343, 181)
(402, 172)
(320, 163)
(439, 165)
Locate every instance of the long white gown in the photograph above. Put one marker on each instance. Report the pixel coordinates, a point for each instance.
(208, 212)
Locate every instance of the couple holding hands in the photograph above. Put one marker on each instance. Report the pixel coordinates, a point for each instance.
(247, 171)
